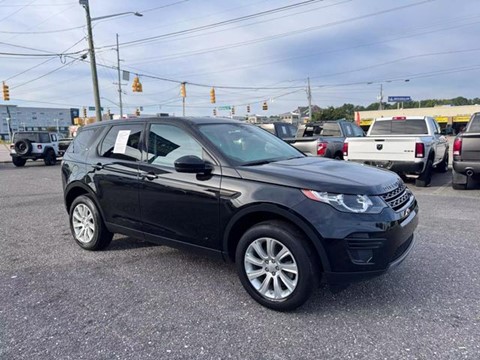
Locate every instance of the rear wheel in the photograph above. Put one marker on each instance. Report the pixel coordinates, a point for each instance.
(87, 226)
(18, 161)
(50, 158)
(443, 166)
(426, 176)
(459, 185)
(276, 265)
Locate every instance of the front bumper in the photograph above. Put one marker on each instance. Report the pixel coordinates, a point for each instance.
(400, 167)
(360, 246)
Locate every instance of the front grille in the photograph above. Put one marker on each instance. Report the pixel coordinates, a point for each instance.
(397, 198)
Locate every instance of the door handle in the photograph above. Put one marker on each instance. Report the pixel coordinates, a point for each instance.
(98, 166)
(150, 176)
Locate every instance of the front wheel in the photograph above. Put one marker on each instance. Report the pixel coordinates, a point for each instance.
(276, 265)
(87, 226)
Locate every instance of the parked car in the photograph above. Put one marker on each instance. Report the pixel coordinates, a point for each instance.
(34, 145)
(325, 139)
(280, 129)
(63, 145)
(410, 146)
(466, 154)
(232, 190)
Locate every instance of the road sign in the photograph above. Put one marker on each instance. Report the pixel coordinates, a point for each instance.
(92, 108)
(227, 107)
(399, 98)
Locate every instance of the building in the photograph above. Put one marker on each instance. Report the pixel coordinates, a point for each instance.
(300, 115)
(454, 116)
(34, 118)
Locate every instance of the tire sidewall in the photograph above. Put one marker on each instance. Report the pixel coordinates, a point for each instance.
(300, 251)
(85, 200)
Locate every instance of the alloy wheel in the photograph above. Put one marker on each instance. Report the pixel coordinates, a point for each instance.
(271, 268)
(83, 223)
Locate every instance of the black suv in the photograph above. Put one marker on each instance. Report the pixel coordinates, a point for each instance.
(233, 190)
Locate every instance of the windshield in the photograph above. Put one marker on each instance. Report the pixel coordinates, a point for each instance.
(246, 144)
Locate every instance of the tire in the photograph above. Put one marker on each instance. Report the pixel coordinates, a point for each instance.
(443, 166)
(459, 185)
(87, 226)
(338, 156)
(23, 147)
(50, 158)
(18, 161)
(269, 279)
(426, 176)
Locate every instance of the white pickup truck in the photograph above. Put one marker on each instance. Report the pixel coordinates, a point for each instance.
(409, 146)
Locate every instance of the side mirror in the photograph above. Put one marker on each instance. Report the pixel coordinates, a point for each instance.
(443, 132)
(192, 164)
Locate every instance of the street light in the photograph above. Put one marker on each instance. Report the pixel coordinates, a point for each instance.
(91, 51)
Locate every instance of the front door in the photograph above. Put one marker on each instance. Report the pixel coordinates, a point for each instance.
(179, 207)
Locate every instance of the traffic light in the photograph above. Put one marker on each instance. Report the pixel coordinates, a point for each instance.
(6, 92)
(84, 112)
(137, 112)
(137, 85)
(248, 108)
(183, 90)
(233, 110)
(214, 112)
(212, 96)
(265, 106)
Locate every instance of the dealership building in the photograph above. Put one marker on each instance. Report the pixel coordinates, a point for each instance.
(20, 118)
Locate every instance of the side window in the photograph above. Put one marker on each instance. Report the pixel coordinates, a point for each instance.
(81, 142)
(435, 126)
(122, 142)
(44, 138)
(167, 143)
(348, 130)
(357, 131)
(53, 137)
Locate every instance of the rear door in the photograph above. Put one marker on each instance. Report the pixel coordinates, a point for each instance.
(115, 174)
(177, 206)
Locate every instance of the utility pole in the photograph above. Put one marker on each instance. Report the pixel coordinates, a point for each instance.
(380, 98)
(93, 64)
(119, 81)
(9, 119)
(309, 95)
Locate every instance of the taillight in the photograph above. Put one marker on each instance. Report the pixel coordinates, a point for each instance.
(12, 146)
(345, 149)
(399, 118)
(39, 147)
(322, 148)
(419, 150)
(457, 147)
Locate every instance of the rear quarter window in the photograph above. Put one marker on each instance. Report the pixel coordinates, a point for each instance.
(82, 141)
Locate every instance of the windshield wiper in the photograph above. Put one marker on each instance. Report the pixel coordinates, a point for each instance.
(259, 162)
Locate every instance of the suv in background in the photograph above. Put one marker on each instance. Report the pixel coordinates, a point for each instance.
(34, 145)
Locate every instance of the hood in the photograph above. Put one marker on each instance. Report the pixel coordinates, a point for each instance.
(320, 174)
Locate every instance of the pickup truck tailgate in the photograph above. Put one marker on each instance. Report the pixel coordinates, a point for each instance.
(471, 147)
(381, 148)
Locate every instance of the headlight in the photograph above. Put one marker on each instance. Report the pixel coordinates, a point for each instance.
(361, 204)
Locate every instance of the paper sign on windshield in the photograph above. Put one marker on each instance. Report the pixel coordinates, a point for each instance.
(121, 142)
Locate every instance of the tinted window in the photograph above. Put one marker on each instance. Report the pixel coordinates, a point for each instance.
(331, 130)
(81, 142)
(33, 137)
(287, 131)
(399, 127)
(44, 138)
(122, 142)
(167, 143)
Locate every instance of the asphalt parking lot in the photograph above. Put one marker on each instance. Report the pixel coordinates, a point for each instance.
(138, 301)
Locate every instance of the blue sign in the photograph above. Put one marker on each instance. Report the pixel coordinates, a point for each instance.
(399, 98)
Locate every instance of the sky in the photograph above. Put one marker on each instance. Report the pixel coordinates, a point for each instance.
(250, 51)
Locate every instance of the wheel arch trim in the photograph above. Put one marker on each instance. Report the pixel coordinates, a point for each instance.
(280, 212)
